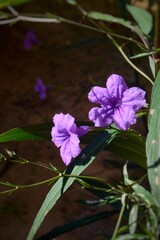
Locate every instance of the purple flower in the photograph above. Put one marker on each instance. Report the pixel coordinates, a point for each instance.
(65, 135)
(41, 89)
(119, 103)
(30, 40)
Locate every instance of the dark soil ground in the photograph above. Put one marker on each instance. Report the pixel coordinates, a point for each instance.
(70, 59)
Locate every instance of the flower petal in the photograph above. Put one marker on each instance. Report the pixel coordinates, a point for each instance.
(64, 122)
(116, 86)
(124, 117)
(101, 117)
(134, 97)
(70, 149)
(82, 130)
(58, 137)
(98, 95)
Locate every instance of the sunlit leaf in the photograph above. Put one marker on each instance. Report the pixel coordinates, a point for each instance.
(72, 2)
(140, 55)
(152, 66)
(139, 191)
(133, 219)
(109, 18)
(135, 236)
(142, 193)
(153, 141)
(142, 17)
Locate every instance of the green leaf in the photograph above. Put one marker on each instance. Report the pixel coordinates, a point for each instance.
(140, 55)
(133, 219)
(110, 18)
(125, 174)
(142, 193)
(133, 237)
(32, 132)
(5, 3)
(139, 191)
(152, 66)
(75, 168)
(130, 146)
(153, 141)
(39, 132)
(72, 2)
(152, 222)
(142, 17)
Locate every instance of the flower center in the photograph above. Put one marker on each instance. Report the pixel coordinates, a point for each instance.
(115, 102)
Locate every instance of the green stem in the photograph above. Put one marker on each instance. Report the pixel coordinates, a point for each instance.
(24, 161)
(17, 187)
(131, 63)
(39, 183)
(111, 35)
(57, 19)
(119, 218)
(85, 177)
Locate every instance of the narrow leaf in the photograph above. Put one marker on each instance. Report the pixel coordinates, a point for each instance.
(152, 66)
(129, 145)
(75, 168)
(110, 18)
(32, 132)
(142, 193)
(153, 141)
(133, 237)
(140, 55)
(133, 219)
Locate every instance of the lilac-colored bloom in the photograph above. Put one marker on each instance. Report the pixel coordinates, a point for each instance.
(30, 40)
(119, 103)
(41, 89)
(65, 135)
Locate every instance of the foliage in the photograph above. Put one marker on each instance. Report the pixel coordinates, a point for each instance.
(131, 198)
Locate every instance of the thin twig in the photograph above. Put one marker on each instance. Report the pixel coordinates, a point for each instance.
(57, 19)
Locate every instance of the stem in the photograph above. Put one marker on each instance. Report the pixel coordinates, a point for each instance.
(85, 177)
(16, 187)
(12, 10)
(57, 19)
(130, 62)
(119, 218)
(37, 184)
(110, 35)
(24, 161)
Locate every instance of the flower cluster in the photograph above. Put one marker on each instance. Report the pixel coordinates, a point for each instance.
(118, 105)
